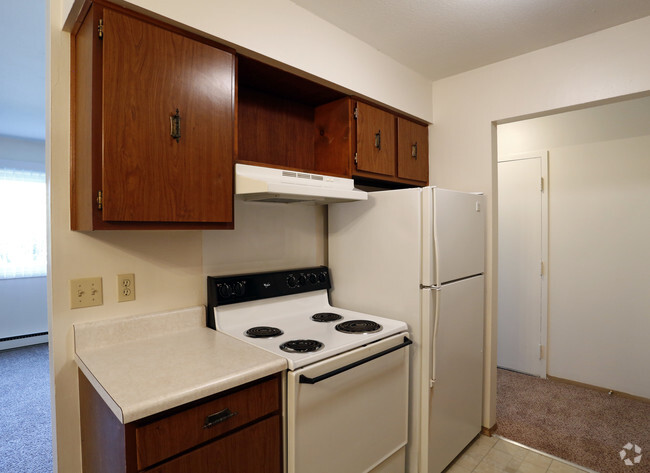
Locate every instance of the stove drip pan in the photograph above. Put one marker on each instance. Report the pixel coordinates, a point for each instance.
(358, 326)
(263, 332)
(301, 346)
(326, 317)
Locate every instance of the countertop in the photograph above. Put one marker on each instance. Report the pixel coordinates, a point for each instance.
(142, 365)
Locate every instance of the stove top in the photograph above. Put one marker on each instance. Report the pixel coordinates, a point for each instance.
(301, 325)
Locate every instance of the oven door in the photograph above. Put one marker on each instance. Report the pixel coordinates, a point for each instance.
(349, 413)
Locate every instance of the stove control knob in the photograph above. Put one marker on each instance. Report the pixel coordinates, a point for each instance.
(302, 280)
(225, 290)
(313, 279)
(322, 277)
(239, 288)
(292, 281)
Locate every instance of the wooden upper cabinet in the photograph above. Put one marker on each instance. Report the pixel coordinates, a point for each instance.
(375, 140)
(159, 147)
(359, 140)
(412, 150)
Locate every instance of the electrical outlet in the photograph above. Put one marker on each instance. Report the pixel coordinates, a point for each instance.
(86, 292)
(125, 287)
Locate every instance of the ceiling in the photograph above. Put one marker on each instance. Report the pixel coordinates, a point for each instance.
(440, 38)
(22, 74)
(437, 38)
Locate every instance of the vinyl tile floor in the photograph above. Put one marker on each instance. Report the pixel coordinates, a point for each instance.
(498, 455)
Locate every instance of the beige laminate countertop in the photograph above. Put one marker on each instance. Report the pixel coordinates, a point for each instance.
(146, 364)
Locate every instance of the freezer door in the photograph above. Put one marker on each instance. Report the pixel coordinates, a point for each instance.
(458, 234)
(456, 398)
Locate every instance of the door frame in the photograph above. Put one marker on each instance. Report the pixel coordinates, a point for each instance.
(543, 155)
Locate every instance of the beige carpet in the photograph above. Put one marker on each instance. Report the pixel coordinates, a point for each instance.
(586, 427)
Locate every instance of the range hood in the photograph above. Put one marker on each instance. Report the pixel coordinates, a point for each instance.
(262, 184)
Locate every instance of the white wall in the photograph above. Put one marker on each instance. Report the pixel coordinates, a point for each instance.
(23, 302)
(612, 121)
(596, 67)
(598, 271)
(23, 306)
(22, 150)
(267, 237)
(599, 180)
(169, 266)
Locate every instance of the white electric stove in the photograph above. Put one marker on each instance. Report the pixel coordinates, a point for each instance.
(347, 384)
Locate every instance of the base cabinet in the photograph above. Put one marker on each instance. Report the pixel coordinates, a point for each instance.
(233, 432)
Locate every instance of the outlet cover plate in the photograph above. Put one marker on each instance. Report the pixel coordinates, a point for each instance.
(125, 287)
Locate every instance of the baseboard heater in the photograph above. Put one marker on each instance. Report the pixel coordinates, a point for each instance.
(18, 337)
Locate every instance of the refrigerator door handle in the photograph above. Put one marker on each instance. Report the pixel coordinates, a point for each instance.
(436, 318)
(433, 333)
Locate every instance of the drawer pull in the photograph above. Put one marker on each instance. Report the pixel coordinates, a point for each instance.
(218, 417)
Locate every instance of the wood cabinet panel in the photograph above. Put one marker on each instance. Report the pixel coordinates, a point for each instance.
(255, 449)
(176, 441)
(334, 142)
(148, 74)
(108, 446)
(375, 140)
(126, 85)
(274, 131)
(174, 434)
(412, 150)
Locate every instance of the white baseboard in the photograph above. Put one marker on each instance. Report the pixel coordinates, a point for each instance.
(22, 342)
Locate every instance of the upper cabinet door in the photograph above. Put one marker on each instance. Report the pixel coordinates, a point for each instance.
(167, 118)
(375, 140)
(412, 151)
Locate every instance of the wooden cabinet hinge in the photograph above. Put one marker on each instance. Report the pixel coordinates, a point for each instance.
(541, 184)
(100, 29)
(356, 112)
(356, 161)
(99, 200)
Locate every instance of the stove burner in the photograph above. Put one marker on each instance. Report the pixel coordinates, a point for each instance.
(358, 326)
(263, 332)
(301, 346)
(326, 317)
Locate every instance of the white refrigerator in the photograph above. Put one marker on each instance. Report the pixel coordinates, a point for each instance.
(417, 255)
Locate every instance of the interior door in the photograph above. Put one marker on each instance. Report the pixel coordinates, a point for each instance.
(522, 278)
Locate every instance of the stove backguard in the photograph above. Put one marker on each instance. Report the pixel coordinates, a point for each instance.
(233, 289)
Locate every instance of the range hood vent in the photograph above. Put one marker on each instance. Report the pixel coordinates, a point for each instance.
(262, 184)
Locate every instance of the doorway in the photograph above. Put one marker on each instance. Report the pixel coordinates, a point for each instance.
(523, 262)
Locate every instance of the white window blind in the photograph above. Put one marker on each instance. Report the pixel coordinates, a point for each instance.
(22, 224)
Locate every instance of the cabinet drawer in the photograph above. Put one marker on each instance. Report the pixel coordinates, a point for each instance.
(254, 449)
(178, 432)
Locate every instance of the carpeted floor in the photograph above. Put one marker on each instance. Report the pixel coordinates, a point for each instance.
(586, 427)
(25, 421)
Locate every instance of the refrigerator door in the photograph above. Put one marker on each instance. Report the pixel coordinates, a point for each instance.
(457, 241)
(375, 254)
(375, 261)
(455, 402)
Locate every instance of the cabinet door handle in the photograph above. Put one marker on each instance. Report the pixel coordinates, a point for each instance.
(175, 126)
(218, 417)
(414, 150)
(378, 140)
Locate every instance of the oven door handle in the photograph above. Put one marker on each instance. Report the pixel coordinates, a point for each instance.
(307, 380)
